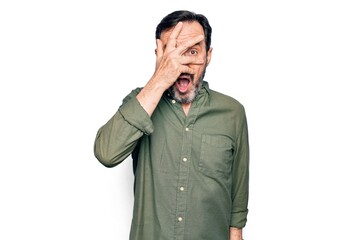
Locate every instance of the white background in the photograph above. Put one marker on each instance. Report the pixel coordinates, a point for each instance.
(66, 65)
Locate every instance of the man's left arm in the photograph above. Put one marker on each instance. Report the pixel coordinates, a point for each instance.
(240, 181)
(235, 233)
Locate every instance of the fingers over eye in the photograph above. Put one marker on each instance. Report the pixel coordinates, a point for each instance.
(183, 47)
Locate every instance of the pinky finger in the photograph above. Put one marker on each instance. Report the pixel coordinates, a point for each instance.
(186, 69)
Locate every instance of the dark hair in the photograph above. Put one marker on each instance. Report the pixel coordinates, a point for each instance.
(173, 18)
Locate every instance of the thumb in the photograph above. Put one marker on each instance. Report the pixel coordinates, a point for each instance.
(158, 51)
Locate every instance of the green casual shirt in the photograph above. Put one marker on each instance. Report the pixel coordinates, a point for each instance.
(191, 172)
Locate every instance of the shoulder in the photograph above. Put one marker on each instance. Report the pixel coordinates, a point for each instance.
(226, 101)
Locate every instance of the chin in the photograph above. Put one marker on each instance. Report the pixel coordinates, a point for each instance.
(183, 97)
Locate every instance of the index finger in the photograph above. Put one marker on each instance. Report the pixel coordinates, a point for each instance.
(174, 35)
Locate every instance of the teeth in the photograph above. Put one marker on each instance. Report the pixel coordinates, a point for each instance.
(183, 82)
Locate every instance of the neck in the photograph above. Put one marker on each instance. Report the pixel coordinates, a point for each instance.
(186, 107)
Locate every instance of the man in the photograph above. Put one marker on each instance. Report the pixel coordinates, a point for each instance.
(189, 144)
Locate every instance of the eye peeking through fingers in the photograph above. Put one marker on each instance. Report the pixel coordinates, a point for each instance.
(191, 52)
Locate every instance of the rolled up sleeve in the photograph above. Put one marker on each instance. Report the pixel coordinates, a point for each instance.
(116, 140)
(136, 116)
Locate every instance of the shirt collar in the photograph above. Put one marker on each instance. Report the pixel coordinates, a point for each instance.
(205, 86)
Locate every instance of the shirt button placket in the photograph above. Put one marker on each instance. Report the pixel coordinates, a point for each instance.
(181, 197)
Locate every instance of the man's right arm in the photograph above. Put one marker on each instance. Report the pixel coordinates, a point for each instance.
(118, 137)
(116, 140)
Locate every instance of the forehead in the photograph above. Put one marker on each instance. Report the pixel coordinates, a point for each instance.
(189, 30)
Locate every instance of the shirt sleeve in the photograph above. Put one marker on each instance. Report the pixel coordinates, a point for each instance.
(240, 176)
(116, 140)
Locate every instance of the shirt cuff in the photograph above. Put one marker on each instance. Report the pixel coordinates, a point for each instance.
(238, 219)
(136, 116)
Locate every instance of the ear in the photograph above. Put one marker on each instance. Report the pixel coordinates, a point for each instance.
(208, 57)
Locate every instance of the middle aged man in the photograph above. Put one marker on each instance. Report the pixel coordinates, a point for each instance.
(189, 144)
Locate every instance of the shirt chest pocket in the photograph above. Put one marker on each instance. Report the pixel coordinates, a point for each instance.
(216, 155)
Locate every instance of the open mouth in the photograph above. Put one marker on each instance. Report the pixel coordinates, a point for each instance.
(183, 82)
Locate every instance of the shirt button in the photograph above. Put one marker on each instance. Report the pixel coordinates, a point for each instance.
(180, 219)
(173, 101)
(184, 159)
(187, 129)
(182, 188)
